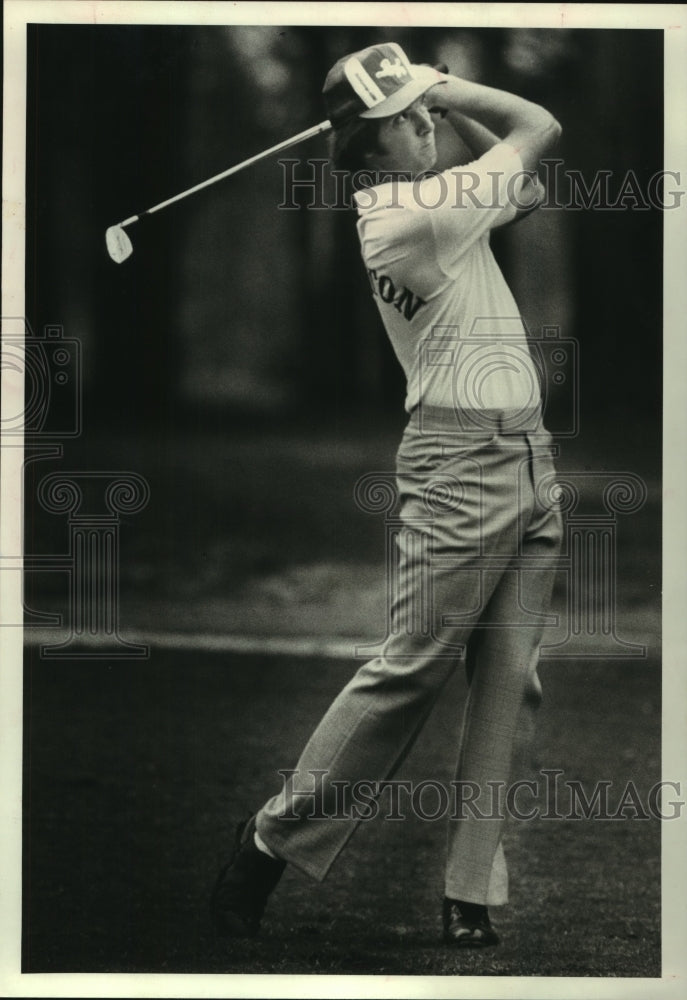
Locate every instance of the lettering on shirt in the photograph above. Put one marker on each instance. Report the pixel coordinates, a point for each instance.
(403, 300)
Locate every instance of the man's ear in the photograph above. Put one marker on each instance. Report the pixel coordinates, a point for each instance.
(369, 158)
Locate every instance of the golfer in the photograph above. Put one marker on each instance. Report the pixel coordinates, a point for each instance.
(480, 530)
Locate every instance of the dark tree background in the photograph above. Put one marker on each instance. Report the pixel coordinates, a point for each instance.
(231, 304)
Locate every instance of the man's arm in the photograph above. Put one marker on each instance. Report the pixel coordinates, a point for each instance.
(488, 115)
(478, 139)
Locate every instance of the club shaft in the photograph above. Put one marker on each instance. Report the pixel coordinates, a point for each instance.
(307, 134)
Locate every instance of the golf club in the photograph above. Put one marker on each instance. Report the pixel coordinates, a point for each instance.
(117, 240)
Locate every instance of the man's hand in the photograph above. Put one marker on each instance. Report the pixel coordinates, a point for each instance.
(434, 76)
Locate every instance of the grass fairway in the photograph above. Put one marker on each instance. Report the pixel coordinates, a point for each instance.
(136, 772)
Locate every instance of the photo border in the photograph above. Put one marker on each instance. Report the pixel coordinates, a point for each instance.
(672, 19)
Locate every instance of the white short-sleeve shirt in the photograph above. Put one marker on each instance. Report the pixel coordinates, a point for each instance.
(451, 318)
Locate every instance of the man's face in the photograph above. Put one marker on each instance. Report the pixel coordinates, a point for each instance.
(406, 141)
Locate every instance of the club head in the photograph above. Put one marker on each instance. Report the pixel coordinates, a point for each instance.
(118, 244)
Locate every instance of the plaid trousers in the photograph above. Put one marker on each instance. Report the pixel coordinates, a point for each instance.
(477, 553)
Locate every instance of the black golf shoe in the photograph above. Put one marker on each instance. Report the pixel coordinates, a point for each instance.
(467, 925)
(240, 894)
